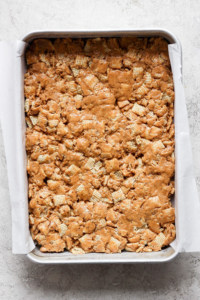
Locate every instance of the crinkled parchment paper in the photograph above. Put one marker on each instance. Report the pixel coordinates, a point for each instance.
(187, 206)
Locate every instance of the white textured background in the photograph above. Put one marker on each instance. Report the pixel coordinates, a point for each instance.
(179, 279)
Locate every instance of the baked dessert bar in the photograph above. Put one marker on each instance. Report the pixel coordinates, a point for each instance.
(100, 144)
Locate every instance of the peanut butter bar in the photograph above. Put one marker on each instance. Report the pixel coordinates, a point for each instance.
(100, 144)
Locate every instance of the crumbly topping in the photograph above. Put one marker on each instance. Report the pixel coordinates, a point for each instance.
(100, 144)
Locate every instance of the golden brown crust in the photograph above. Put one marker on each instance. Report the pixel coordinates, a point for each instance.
(100, 144)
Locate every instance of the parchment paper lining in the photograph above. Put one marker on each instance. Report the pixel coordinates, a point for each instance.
(187, 204)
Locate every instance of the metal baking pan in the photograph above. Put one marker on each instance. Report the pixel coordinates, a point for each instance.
(125, 257)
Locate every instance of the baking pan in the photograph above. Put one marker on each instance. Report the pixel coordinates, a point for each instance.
(124, 257)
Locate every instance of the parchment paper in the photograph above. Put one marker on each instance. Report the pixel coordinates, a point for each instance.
(13, 128)
(187, 204)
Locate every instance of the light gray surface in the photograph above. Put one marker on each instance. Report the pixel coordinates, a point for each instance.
(179, 279)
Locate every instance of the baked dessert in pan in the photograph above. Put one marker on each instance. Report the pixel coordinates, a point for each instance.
(100, 144)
